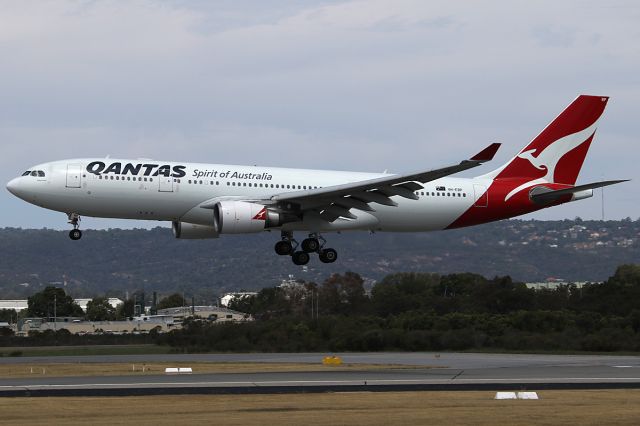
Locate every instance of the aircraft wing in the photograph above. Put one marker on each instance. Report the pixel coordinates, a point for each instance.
(335, 201)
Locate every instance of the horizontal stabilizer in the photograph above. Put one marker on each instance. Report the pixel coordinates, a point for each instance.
(544, 195)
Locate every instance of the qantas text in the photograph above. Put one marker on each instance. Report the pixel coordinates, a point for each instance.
(100, 168)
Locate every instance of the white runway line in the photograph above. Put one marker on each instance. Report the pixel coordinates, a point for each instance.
(318, 382)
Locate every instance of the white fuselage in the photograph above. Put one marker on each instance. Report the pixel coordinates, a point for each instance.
(169, 191)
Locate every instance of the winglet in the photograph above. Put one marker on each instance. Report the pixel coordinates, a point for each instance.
(487, 153)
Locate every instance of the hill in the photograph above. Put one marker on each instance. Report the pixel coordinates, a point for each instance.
(114, 261)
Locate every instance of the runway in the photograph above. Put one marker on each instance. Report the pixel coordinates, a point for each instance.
(423, 371)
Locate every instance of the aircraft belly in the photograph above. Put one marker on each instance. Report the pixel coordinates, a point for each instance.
(127, 204)
(426, 214)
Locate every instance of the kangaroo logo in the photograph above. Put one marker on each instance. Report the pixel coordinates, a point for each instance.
(548, 158)
(535, 162)
(262, 215)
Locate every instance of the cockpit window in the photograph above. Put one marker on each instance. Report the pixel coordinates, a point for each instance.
(34, 173)
(40, 173)
(27, 173)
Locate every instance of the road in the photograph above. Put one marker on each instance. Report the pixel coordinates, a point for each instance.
(427, 371)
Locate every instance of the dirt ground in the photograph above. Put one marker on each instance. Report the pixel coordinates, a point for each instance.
(598, 407)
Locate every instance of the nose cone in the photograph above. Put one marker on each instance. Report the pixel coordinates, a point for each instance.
(14, 187)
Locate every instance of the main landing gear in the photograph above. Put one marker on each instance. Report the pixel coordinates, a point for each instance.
(314, 244)
(75, 234)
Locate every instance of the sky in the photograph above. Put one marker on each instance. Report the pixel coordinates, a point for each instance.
(345, 85)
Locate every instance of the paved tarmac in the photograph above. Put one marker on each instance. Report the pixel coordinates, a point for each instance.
(426, 371)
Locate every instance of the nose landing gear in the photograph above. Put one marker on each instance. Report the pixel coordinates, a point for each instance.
(314, 244)
(75, 234)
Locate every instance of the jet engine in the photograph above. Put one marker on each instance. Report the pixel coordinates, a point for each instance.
(240, 217)
(191, 231)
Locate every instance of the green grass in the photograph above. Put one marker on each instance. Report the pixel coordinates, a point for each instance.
(85, 350)
(150, 349)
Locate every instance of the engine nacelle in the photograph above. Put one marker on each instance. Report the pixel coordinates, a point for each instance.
(191, 231)
(240, 217)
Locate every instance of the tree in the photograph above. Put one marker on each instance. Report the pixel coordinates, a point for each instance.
(171, 301)
(8, 315)
(99, 309)
(42, 304)
(125, 310)
(343, 294)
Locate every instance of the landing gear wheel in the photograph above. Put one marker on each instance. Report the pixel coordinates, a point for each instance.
(300, 258)
(75, 234)
(328, 255)
(283, 247)
(310, 245)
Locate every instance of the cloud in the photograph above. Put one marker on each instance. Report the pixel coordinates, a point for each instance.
(364, 85)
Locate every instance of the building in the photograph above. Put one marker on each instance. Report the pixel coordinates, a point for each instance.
(550, 285)
(229, 297)
(22, 304)
(210, 313)
(113, 301)
(16, 305)
(142, 324)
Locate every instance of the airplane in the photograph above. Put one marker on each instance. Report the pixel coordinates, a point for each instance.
(209, 200)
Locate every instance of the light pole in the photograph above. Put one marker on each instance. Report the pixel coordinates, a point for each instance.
(55, 316)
